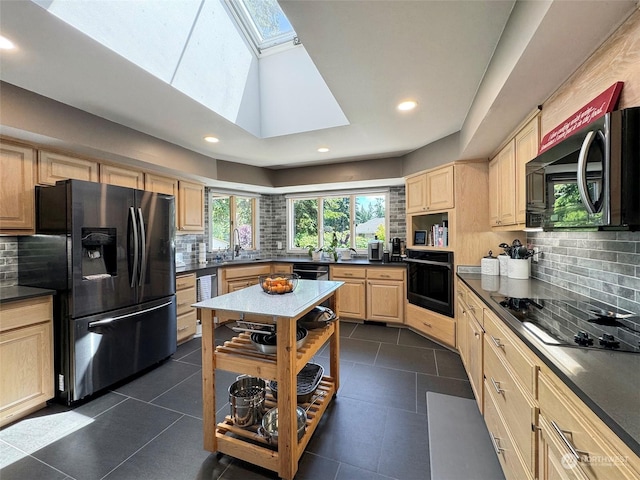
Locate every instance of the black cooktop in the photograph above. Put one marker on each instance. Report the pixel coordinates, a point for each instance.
(582, 324)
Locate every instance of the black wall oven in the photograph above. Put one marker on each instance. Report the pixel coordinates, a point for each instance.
(430, 280)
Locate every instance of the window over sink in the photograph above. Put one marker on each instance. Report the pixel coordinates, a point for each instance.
(229, 212)
(354, 217)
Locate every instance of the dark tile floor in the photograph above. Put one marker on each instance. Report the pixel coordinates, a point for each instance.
(151, 427)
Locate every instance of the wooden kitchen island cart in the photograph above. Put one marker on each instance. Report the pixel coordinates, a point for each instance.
(239, 355)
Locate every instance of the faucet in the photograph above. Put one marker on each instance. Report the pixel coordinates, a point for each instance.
(236, 246)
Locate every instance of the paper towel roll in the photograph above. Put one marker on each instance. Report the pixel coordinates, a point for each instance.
(202, 253)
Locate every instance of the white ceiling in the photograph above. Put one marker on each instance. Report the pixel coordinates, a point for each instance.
(372, 54)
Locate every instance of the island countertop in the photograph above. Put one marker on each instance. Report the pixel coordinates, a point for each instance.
(254, 300)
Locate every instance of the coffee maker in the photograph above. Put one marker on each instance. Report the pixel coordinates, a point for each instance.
(396, 249)
(376, 250)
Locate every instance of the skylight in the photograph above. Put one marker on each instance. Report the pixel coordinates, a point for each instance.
(200, 48)
(264, 22)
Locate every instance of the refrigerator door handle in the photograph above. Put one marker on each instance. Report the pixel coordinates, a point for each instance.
(109, 320)
(134, 274)
(143, 247)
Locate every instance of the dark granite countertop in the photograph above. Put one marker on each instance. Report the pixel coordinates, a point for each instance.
(202, 269)
(18, 292)
(606, 381)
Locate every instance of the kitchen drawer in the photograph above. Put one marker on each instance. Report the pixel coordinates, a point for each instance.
(231, 273)
(186, 281)
(517, 410)
(348, 272)
(510, 459)
(22, 313)
(385, 273)
(439, 327)
(462, 291)
(186, 325)
(511, 350)
(599, 459)
(475, 308)
(184, 300)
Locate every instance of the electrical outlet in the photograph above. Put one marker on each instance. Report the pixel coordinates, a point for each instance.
(536, 254)
(279, 245)
(188, 247)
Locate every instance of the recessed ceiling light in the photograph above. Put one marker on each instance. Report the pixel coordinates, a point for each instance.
(408, 105)
(6, 44)
(323, 149)
(211, 139)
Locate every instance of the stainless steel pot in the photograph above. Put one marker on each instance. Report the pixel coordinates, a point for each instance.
(267, 343)
(246, 400)
(269, 427)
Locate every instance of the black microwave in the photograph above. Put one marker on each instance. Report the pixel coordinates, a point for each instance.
(591, 179)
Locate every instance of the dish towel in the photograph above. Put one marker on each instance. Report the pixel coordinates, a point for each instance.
(204, 288)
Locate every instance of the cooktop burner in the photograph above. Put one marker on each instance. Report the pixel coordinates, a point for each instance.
(583, 324)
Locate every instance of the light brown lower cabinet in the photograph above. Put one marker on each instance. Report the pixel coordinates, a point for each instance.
(585, 445)
(539, 428)
(185, 297)
(439, 327)
(508, 454)
(370, 293)
(26, 357)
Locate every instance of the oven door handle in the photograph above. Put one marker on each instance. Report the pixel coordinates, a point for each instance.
(430, 262)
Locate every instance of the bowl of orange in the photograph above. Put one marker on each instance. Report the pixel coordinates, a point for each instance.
(279, 284)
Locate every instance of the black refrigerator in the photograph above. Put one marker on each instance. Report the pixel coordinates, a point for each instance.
(109, 252)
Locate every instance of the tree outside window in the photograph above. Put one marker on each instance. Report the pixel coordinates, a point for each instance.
(354, 219)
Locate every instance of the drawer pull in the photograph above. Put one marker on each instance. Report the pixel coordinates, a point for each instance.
(574, 451)
(496, 386)
(477, 335)
(496, 342)
(183, 328)
(428, 324)
(384, 276)
(496, 444)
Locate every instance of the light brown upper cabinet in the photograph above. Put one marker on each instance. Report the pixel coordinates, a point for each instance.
(191, 207)
(527, 145)
(122, 177)
(55, 166)
(507, 177)
(502, 190)
(159, 184)
(432, 190)
(17, 189)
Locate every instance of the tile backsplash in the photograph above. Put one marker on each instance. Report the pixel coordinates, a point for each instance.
(8, 261)
(601, 265)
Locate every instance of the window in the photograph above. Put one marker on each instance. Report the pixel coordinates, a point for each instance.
(229, 212)
(354, 219)
(263, 22)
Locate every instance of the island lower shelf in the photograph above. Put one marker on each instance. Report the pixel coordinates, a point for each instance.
(248, 445)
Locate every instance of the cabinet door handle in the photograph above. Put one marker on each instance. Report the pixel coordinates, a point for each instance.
(496, 342)
(496, 444)
(477, 335)
(496, 386)
(574, 451)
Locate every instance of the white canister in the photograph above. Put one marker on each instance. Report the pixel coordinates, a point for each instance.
(489, 265)
(519, 268)
(504, 264)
